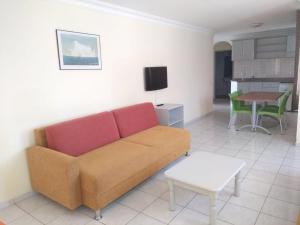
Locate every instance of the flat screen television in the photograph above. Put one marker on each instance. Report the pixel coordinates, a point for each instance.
(156, 78)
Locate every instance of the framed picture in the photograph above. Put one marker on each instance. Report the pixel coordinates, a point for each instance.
(78, 51)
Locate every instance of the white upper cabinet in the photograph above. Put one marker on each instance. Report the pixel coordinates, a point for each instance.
(237, 50)
(271, 47)
(291, 46)
(285, 67)
(248, 49)
(243, 50)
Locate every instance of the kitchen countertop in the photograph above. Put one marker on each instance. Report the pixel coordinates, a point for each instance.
(280, 80)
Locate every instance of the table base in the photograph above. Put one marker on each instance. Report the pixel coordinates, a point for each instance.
(254, 128)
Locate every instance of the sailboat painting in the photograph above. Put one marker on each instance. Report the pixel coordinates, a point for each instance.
(78, 51)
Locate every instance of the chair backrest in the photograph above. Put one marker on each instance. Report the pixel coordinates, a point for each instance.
(283, 102)
(235, 103)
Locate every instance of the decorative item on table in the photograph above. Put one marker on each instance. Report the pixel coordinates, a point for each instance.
(78, 51)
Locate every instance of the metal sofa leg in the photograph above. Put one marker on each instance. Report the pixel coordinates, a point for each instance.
(98, 214)
(187, 153)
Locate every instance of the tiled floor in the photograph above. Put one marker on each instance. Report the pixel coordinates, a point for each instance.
(270, 187)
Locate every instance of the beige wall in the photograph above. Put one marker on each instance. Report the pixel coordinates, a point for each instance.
(34, 92)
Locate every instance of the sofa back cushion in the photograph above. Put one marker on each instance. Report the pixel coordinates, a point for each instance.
(78, 136)
(133, 119)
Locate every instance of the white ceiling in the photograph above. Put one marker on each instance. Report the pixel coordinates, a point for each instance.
(221, 16)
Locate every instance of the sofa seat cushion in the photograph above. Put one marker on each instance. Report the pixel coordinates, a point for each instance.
(166, 139)
(135, 118)
(78, 136)
(110, 165)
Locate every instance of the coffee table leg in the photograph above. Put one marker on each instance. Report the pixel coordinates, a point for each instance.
(172, 195)
(213, 209)
(237, 186)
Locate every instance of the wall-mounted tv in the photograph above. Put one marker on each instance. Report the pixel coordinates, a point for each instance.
(156, 78)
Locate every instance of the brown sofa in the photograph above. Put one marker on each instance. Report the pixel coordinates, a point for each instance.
(94, 160)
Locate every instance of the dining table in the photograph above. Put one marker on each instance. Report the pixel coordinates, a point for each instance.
(254, 98)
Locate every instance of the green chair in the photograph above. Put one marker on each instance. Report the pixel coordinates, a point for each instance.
(275, 111)
(237, 107)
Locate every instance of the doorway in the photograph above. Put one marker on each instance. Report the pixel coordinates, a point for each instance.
(222, 70)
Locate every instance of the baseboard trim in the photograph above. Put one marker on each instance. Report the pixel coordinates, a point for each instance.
(197, 119)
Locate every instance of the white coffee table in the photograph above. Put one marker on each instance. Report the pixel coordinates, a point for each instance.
(205, 173)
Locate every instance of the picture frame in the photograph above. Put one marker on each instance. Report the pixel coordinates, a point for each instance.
(78, 51)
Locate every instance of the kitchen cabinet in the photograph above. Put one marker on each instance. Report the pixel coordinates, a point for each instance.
(264, 68)
(271, 47)
(243, 49)
(291, 46)
(285, 67)
(243, 69)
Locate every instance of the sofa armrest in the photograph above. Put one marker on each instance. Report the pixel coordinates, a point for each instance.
(56, 175)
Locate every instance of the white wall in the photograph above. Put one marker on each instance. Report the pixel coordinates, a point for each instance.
(35, 93)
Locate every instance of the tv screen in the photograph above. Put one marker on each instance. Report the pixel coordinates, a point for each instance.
(156, 78)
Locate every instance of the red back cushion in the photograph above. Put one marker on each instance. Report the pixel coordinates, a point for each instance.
(78, 136)
(133, 119)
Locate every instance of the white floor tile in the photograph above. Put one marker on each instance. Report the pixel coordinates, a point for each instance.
(248, 155)
(94, 222)
(284, 194)
(248, 200)
(72, 218)
(137, 200)
(116, 214)
(268, 167)
(261, 176)
(281, 209)
(270, 159)
(293, 154)
(190, 217)
(143, 219)
(201, 204)
(182, 196)
(288, 182)
(238, 215)
(11, 213)
(291, 163)
(255, 187)
(33, 202)
(25, 220)
(228, 151)
(159, 210)
(264, 219)
(290, 171)
(154, 187)
(49, 212)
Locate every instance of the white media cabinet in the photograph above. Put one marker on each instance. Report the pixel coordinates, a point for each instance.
(170, 115)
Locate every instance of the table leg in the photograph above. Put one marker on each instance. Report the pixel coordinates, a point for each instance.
(172, 195)
(213, 208)
(237, 186)
(253, 115)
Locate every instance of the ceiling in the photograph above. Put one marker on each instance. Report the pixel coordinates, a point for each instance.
(221, 16)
